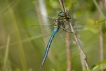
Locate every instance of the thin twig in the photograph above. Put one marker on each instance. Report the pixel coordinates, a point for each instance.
(99, 7)
(101, 47)
(79, 46)
(63, 7)
(68, 50)
(101, 37)
(75, 36)
(75, 22)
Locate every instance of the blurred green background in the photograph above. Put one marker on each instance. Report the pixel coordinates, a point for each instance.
(22, 51)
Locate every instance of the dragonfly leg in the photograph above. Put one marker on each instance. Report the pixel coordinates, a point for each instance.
(66, 30)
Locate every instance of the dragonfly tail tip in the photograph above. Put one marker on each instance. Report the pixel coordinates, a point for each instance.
(41, 67)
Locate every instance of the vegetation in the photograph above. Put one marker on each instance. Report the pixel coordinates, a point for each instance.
(21, 50)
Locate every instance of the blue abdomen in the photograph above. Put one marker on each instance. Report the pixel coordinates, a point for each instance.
(48, 45)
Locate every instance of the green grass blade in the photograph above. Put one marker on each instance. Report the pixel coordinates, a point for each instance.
(102, 14)
(6, 53)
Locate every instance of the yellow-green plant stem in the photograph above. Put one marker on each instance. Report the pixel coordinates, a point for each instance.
(20, 46)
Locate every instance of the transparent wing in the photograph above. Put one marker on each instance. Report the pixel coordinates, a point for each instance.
(78, 28)
(39, 18)
(43, 24)
(40, 28)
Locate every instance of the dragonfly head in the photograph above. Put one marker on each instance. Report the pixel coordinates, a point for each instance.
(62, 15)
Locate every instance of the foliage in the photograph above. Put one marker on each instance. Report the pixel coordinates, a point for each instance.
(23, 51)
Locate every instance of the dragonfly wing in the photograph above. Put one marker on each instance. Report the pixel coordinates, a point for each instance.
(62, 33)
(37, 30)
(39, 17)
(43, 24)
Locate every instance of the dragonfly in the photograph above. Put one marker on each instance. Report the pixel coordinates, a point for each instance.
(57, 24)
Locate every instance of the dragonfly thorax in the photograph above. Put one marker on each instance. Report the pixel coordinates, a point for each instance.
(56, 23)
